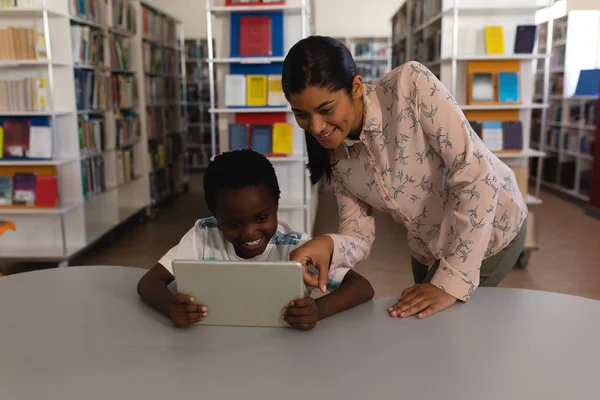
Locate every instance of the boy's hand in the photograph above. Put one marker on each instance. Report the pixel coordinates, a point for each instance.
(302, 314)
(183, 311)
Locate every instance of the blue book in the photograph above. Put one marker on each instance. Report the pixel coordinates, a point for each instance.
(238, 137)
(508, 87)
(512, 135)
(588, 82)
(262, 139)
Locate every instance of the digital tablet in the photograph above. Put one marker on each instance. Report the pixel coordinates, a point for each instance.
(242, 293)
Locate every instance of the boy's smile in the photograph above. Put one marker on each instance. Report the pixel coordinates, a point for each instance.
(248, 218)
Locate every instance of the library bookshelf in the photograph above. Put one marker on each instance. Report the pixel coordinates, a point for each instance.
(86, 120)
(370, 55)
(568, 131)
(448, 37)
(290, 23)
(158, 50)
(197, 104)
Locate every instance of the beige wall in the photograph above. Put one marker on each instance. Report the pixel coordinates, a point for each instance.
(332, 17)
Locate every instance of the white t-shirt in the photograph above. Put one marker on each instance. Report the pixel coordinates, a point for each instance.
(205, 241)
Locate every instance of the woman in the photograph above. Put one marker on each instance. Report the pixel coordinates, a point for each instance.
(401, 144)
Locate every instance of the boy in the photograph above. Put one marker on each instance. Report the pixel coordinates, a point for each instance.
(242, 193)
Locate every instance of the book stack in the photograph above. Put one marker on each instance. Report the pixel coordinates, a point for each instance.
(124, 91)
(26, 94)
(90, 90)
(22, 44)
(121, 16)
(93, 176)
(91, 134)
(127, 129)
(254, 91)
(28, 189)
(87, 45)
(121, 54)
(500, 135)
(22, 137)
(271, 140)
(89, 10)
(125, 166)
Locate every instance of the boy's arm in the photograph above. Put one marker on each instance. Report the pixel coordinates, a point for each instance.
(305, 313)
(179, 308)
(354, 290)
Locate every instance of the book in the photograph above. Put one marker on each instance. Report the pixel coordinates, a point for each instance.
(261, 138)
(256, 90)
(239, 137)
(235, 90)
(482, 87)
(512, 135)
(255, 36)
(283, 138)
(1, 142)
(492, 135)
(276, 95)
(40, 142)
(16, 138)
(588, 82)
(46, 191)
(508, 87)
(476, 126)
(24, 188)
(494, 39)
(6, 190)
(525, 39)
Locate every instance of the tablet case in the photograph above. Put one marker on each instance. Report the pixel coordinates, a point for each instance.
(241, 293)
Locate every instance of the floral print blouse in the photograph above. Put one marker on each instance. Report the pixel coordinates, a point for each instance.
(419, 160)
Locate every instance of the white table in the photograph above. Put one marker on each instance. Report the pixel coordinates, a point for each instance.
(82, 333)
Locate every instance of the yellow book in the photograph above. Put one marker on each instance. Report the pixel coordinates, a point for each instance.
(283, 138)
(276, 95)
(1, 142)
(494, 39)
(256, 90)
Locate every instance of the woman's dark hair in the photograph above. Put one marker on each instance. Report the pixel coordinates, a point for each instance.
(326, 63)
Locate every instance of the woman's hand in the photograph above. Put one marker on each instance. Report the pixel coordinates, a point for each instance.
(316, 252)
(424, 299)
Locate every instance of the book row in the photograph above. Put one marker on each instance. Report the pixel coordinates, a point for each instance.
(87, 45)
(18, 43)
(114, 13)
(28, 189)
(159, 60)
(25, 94)
(93, 176)
(254, 91)
(90, 90)
(499, 136)
(571, 141)
(91, 130)
(157, 26)
(490, 87)
(124, 91)
(276, 139)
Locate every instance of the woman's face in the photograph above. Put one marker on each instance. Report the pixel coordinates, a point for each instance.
(329, 116)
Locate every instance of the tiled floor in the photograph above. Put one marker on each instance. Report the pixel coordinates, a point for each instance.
(568, 262)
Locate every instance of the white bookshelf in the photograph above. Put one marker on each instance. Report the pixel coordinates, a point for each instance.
(160, 101)
(59, 233)
(370, 55)
(445, 35)
(575, 45)
(298, 201)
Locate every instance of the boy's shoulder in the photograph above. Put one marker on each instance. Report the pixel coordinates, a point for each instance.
(207, 223)
(286, 236)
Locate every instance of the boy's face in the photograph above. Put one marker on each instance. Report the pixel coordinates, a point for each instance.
(248, 218)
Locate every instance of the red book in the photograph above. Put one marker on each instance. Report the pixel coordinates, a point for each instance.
(255, 36)
(46, 191)
(16, 138)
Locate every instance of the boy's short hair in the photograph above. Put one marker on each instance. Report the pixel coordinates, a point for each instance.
(236, 170)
